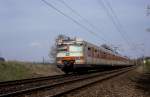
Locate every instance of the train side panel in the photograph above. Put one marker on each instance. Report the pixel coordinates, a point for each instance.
(97, 56)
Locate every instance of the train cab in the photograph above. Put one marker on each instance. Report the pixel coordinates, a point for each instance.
(69, 54)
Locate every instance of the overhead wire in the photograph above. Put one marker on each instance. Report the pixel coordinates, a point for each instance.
(78, 14)
(118, 22)
(119, 26)
(115, 23)
(72, 19)
(83, 18)
(122, 31)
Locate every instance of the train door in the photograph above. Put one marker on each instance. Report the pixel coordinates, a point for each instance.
(92, 55)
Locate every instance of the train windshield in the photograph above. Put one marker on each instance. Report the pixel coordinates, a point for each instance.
(75, 48)
(70, 50)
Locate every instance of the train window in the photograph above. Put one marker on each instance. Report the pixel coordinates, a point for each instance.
(95, 50)
(104, 55)
(99, 54)
(89, 51)
(89, 48)
(75, 48)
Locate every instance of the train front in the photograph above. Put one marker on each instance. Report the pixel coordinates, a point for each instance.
(69, 54)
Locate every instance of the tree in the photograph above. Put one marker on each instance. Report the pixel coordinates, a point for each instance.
(53, 53)
(53, 49)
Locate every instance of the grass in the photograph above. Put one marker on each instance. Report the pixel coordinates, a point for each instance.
(147, 66)
(13, 71)
(20, 70)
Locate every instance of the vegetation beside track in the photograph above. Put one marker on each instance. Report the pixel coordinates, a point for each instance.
(14, 70)
(147, 65)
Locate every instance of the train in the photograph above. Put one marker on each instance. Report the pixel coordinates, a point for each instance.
(75, 55)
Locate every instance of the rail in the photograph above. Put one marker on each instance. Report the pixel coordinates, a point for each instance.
(60, 85)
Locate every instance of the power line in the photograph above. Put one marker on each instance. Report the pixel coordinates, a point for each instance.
(117, 20)
(118, 25)
(148, 10)
(114, 22)
(123, 32)
(83, 18)
(75, 12)
(72, 19)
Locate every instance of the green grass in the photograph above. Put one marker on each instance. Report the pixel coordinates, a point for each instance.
(147, 62)
(147, 66)
(13, 71)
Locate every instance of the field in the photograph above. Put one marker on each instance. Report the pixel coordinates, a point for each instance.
(14, 70)
(147, 66)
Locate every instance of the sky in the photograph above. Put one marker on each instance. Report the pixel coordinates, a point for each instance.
(28, 28)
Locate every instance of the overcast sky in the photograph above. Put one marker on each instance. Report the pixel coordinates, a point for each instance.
(28, 27)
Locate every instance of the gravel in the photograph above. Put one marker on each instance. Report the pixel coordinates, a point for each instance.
(125, 85)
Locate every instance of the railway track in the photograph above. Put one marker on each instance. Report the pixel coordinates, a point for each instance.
(54, 86)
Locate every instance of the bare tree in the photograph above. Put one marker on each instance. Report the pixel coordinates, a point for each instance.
(52, 53)
(53, 49)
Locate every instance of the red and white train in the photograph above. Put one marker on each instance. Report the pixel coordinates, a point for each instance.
(77, 55)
